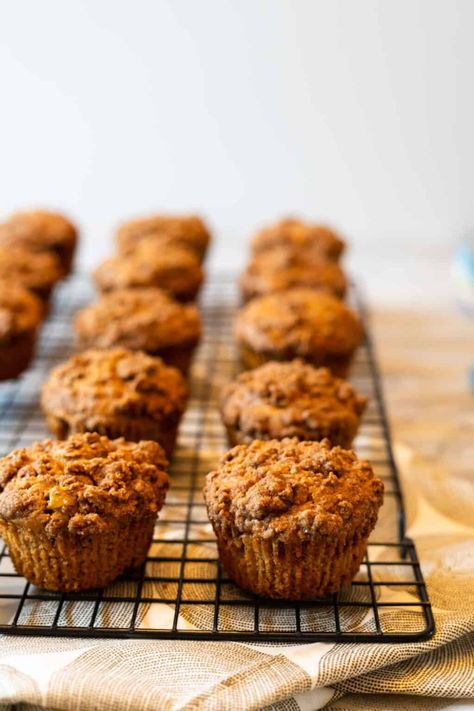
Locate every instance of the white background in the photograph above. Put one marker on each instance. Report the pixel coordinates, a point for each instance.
(357, 112)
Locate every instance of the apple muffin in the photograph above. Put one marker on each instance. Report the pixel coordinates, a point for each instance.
(281, 269)
(298, 323)
(42, 231)
(188, 231)
(292, 399)
(20, 317)
(36, 271)
(145, 319)
(76, 514)
(175, 270)
(117, 393)
(292, 518)
(317, 240)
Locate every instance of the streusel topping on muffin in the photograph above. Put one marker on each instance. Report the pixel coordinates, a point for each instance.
(174, 269)
(291, 399)
(83, 484)
(147, 319)
(281, 269)
(35, 271)
(299, 236)
(37, 229)
(97, 385)
(302, 320)
(188, 231)
(287, 488)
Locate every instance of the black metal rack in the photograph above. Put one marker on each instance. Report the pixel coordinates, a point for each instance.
(181, 591)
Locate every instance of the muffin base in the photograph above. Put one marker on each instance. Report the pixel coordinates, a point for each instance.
(179, 357)
(339, 364)
(132, 430)
(72, 563)
(16, 356)
(294, 570)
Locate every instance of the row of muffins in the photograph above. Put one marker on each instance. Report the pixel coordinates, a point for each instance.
(291, 505)
(137, 340)
(157, 251)
(77, 512)
(291, 518)
(36, 251)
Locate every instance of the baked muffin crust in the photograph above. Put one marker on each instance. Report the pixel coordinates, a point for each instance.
(282, 269)
(138, 319)
(20, 311)
(299, 323)
(291, 399)
(118, 393)
(37, 272)
(174, 270)
(287, 489)
(83, 485)
(291, 518)
(40, 231)
(187, 231)
(97, 387)
(299, 236)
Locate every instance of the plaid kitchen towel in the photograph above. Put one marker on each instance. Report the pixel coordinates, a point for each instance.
(118, 675)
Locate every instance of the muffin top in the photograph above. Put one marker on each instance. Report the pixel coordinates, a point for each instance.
(82, 485)
(300, 320)
(188, 231)
(20, 310)
(289, 400)
(173, 269)
(297, 236)
(38, 230)
(139, 319)
(32, 270)
(96, 385)
(285, 489)
(282, 269)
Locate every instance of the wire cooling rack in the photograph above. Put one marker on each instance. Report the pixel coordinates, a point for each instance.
(181, 591)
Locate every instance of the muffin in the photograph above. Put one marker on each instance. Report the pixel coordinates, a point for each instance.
(41, 231)
(281, 269)
(76, 514)
(142, 319)
(117, 393)
(188, 231)
(174, 270)
(292, 519)
(20, 317)
(298, 323)
(37, 272)
(279, 400)
(301, 237)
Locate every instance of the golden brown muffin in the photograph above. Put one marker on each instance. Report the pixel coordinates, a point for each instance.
(281, 269)
(319, 241)
(37, 272)
(142, 319)
(279, 400)
(187, 231)
(298, 323)
(20, 316)
(41, 231)
(76, 514)
(174, 270)
(118, 393)
(292, 519)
